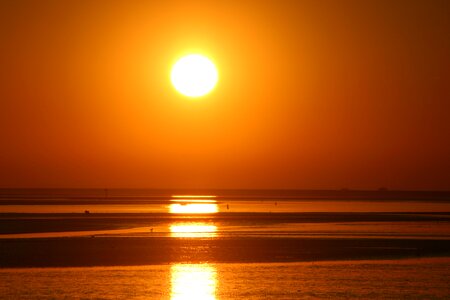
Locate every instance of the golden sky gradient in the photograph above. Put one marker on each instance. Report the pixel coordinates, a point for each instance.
(312, 94)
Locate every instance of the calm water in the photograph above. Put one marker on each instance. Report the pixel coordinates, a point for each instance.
(274, 206)
(212, 229)
(207, 228)
(167, 201)
(412, 279)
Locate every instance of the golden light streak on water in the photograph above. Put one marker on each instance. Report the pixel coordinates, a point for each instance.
(197, 281)
(193, 230)
(193, 200)
(193, 208)
(193, 196)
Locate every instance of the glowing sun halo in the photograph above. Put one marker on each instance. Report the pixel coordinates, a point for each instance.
(194, 75)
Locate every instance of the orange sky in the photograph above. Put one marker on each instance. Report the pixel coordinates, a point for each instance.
(312, 94)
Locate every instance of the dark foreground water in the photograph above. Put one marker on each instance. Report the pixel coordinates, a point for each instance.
(400, 279)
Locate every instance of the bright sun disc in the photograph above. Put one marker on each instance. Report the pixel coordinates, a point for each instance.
(194, 75)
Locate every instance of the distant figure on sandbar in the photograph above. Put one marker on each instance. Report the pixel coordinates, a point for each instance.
(86, 212)
(151, 229)
(228, 207)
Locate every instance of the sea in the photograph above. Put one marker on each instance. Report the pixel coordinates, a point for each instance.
(224, 244)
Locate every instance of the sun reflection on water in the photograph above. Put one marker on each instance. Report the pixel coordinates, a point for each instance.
(193, 208)
(194, 196)
(192, 230)
(196, 281)
(193, 204)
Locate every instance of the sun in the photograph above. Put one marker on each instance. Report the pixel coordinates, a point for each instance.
(194, 75)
